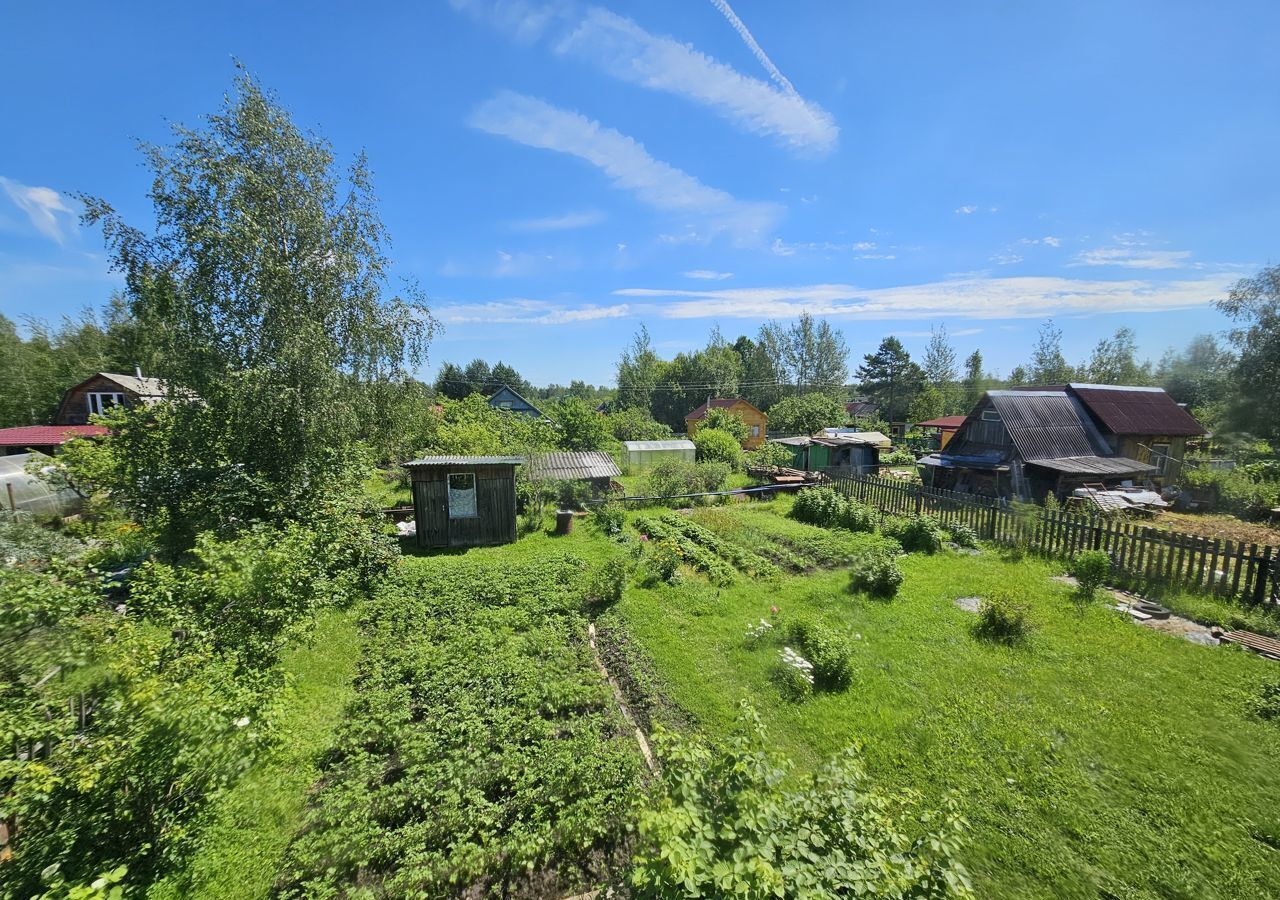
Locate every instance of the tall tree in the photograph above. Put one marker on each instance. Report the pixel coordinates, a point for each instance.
(816, 355)
(1048, 365)
(1115, 360)
(891, 378)
(941, 370)
(263, 284)
(975, 380)
(451, 382)
(1199, 376)
(638, 371)
(1254, 304)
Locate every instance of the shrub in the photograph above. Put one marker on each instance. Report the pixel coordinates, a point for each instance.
(609, 518)
(1091, 569)
(714, 445)
(664, 561)
(1004, 619)
(830, 834)
(964, 536)
(858, 516)
(610, 580)
(674, 477)
(918, 534)
(724, 420)
(878, 575)
(794, 674)
(828, 508)
(1266, 704)
(825, 650)
(635, 424)
(770, 454)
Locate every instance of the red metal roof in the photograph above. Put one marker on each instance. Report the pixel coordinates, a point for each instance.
(1136, 410)
(46, 435)
(717, 403)
(946, 423)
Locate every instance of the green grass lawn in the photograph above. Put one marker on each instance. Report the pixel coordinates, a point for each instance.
(1101, 759)
(251, 826)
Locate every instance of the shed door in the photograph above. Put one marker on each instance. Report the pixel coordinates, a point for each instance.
(431, 511)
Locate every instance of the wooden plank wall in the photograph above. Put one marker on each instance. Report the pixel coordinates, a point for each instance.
(1141, 555)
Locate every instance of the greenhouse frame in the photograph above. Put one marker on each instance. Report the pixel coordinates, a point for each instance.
(24, 493)
(647, 454)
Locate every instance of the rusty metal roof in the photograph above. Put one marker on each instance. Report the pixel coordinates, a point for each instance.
(47, 435)
(573, 466)
(1136, 410)
(946, 423)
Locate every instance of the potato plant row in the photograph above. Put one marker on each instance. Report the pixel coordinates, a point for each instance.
(741, 558)
(705, 561)
(483, 755)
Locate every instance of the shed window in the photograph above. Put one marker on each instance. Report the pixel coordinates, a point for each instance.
(101, 401)
(990, 415)
(755, 431)
(1160, 458)
(462, 495)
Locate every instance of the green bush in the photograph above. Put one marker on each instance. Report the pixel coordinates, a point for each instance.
(1003, 618)
(964, 536)
(828, 508)
(878, 575)
(793, 674)
(610, 579)
(1266, 703)
(1091, 568)
(770, 454)
(724, 420)
(726, 822)
(674, 478)
(609, 517)
(1249, 489)
(664, 561)
(714, 445)
(824, 648)
(917, 534)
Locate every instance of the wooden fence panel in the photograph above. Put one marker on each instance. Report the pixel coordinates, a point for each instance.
(1141, 555)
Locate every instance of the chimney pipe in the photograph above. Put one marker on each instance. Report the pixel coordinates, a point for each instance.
(137, 369)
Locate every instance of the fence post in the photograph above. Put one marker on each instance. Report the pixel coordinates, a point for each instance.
(1264, 576)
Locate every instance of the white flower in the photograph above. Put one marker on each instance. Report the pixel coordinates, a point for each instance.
(242, 721)
(799, 663)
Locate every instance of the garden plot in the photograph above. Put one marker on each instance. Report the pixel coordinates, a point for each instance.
(1074, 753)
(483, 753)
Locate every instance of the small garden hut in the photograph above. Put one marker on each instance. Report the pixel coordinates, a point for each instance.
(647, 454)
(464, 501)
(595, 467)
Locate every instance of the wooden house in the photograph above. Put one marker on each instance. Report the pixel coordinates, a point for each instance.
(104, 390)
(944, 428)
(854, 452)
(755, 420)
(1142, 423)
(505, 398)
(1026, 444)
(464, 501)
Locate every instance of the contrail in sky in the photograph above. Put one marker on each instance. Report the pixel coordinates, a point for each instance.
(774, 72)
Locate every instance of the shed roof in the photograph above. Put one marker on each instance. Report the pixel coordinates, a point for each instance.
(1044, 424)
(851, 436)
(674, 444)
(1136, 410)
(717, 403)
(46, 435)
(946, 423)
(143, 387)
(859, 408)
(465, 461)
(1094, 465)
(574, 466)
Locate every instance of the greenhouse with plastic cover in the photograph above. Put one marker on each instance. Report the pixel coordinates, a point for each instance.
(25, 493)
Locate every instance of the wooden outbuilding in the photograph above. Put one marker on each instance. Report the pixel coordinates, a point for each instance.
(104, 390)
(464, 501)
(756, 421)
(595, 467)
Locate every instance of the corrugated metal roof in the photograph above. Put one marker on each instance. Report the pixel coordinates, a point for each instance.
(849, 436)
(1136, 410)
(678, 444)
(860, 408)
(466, 461)
(1094, 465)
(1043, 424)
(46, 435)
(574, 465)
(946, 423)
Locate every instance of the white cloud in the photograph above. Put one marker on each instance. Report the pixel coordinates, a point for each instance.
(966, 210)
(564, 222)
(525, 22)
(1134, 257)
(1051, 241)
(520, 311)
(977, 298)
(860, 249)
(708, 275)
(536, 123)
(46, 208)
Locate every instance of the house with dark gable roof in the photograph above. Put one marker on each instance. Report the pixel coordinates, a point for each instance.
(506, 399)
(1027, 444)
(1142, 423)
(103, 390)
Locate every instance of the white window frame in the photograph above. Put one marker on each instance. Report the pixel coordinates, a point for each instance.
(94, 401)
(1160, 458)
(991, 414)
(469, 511)
(755, 431)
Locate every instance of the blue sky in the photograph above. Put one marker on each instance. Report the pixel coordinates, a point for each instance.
(554, 173)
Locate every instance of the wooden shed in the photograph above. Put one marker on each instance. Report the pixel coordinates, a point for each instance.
(464, 501)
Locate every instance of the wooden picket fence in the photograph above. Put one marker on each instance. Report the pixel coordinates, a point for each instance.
(1142, 557)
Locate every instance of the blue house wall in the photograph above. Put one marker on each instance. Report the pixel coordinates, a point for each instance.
(507, 399)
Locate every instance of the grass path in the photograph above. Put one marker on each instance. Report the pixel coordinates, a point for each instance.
(1099, 760)
(255, 821)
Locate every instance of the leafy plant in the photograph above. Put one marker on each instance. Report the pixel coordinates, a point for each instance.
(714, 445)
(610, 579)
(917, 534)
(1266, 703)
(876, 574)
(769, 454)
(726, 823)
(963, 535)
(721, 419)
(827, 652)
(664, 560)
(1091, 568)
(1003, 618)
(793, 674)
(609, 517)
